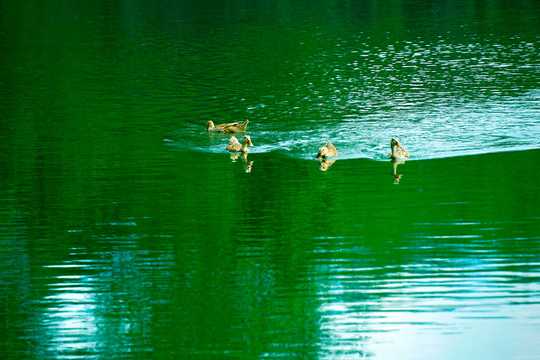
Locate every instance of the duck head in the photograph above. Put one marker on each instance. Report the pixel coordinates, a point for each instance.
(327, 150)
(394, 142)
(209, 125)
(246, 140)
(323, 151)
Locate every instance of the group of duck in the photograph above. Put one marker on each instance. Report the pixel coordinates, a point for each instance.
(326, 151)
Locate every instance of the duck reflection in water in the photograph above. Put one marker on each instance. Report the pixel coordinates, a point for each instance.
(247, 164)
(395, 176)
(325, 164)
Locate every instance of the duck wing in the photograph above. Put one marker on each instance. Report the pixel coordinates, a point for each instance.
(223, 127)
(332, 149)
(235, 127)
(402, 152)
(234, 144)
(243, 125)
(228, 125)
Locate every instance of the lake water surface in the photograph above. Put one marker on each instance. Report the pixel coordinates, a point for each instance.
(127, 231)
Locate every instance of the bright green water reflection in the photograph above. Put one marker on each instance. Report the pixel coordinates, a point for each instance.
(128, 231)
(286, 261)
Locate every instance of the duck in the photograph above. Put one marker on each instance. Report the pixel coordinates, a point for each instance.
(227, 128)
(236, 146)
(327, 150)
(398, 152)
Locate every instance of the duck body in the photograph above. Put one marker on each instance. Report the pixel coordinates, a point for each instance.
(236, 146)
(397, 150)
(227, 128)
(327, 150)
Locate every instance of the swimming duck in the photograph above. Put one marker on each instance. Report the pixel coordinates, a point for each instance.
(327, 150)
(227, 128)
(398, 152)
(235, 146)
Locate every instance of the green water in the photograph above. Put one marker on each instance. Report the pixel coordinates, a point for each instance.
(127, 231)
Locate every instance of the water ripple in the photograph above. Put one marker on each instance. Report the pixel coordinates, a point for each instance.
(426, 133)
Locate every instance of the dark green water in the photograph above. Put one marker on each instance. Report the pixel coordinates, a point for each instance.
(127, 232)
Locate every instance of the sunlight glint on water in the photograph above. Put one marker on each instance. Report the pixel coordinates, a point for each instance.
(441, 99)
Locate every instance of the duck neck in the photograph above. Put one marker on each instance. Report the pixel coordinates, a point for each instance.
(244, 147)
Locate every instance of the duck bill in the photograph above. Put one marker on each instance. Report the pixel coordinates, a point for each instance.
(250, 143)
